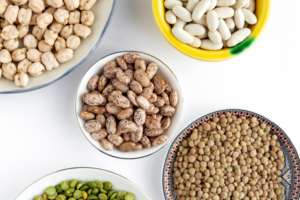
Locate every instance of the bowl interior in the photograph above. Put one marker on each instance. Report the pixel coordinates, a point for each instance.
(169, 78)
(262, 12)
(103, 11)
(84, 174)
(290, 174)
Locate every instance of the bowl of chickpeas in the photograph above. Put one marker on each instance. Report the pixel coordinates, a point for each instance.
(231, 154)
(43, 41)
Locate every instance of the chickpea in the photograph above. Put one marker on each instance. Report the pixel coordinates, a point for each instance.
(24, 16)
(49, 60)
(82, 30)
(60, 43)
(44, 47)
(44, 20)
(34, 55)
(34, 17)
(72, 4)
(10, 32)
(9, 70)
(11, 45)
(61, 16)
(50, 10)
(86, 4)
(24, 65)
(73, 42)
(4, 23)
(3, 6)
(56, 27)
(5, 56)
(55, 3)
(23, 30)
(38, 32)
(87, 18)
(50, 37)
(67, 31)
(11, 13)
(64, 55)
(21, 79)
(36, 69)
(74, 17)
(19, 2)
(36, 6)
(30, 42)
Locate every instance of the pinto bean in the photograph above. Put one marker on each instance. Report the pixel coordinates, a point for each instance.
(159, 140)
(166, 98)
(96, 109)
(115, 139)
(135, 86)
(127, 136)
(167, 111)
(122, 77)
(130, 57)
(165, 123)
(124, 114)
(138, 147)
(168, 89)
(93, 99)
(107, 145)
(107, 90)
(132, 97)
(101, 119)
(151, 70)
(143, 102)
(85, 115)
(120, 86)
(128, 125)
(137, 136)
(145, 142)
(152, 98)
(153, 132)
(93, 83)
(158, 116)
(152, 110)
(160, 102)
(121, 101)
(92, 126)
(140, 116)
(102, 83)
(110, 73)
(152, 123)
(110, 98)
(147, 92)
(111, 125)
(173, 98)
(139, 63)
(130, 73)
(127, 146)
(141, 77)
(98, 135)
(121, 62)
(112, 108)
(159, 84)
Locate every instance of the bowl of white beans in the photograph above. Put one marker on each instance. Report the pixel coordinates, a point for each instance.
(211, 30)
(43, 41)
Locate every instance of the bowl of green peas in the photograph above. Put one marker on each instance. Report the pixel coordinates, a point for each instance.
(83, 184)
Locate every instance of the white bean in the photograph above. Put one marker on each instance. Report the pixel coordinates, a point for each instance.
(238, 37)
(200, 9)
(170, 17)
(250, 18)
(196, 42)
(195, 29)
(202, 21)
(239, 4)
(182, 13)
(239, 19)
(212, 5)
(225, 3)
(36, 69)
(215, 37)
(209, 45)
(224, 12)
(21, 79)
(205, 35)
(182, 35)
(212, 20)
(179, 24)
(191, 5)
(230, 23)
(247, 4)
(169, 4)
(252, 6)
(224, 30)
(9, 70)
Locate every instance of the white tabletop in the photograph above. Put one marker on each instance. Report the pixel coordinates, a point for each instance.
(39, 133)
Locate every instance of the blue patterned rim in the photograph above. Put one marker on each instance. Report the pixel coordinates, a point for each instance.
(290, 174)
(76, 66)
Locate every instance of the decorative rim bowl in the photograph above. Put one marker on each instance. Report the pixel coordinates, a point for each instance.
(263, 10)
(290, 174)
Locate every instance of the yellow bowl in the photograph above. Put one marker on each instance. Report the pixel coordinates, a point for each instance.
(262, 11)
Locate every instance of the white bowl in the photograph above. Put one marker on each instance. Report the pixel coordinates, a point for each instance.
(103, 11)
(168, 76)
(120, 183)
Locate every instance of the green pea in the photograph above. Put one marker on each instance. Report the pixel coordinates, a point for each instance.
(77, 194)
(84, 188)
(72, 198)
(129, 196)
(50, 190)
(70, 190)
(103, 191)
(102, 197)
(73, 183)
(110, 193)
(52, 196)
(107, 186)
(121, 195)
(92, 184)
(99, 184)
(61, 197)
(79, 185)
(113, 196)
(92, 196)
(38, 198)
(89, 191)
(65, 185)
(96, 191)
(58, 189)
(68, 195)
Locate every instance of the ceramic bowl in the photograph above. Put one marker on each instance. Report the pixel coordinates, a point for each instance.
(263, 10)
(119, 182)
(290, 174)
(168, 76)
(103, 11)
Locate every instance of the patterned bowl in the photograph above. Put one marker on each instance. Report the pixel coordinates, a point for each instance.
(290, 174)
(263, 10)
